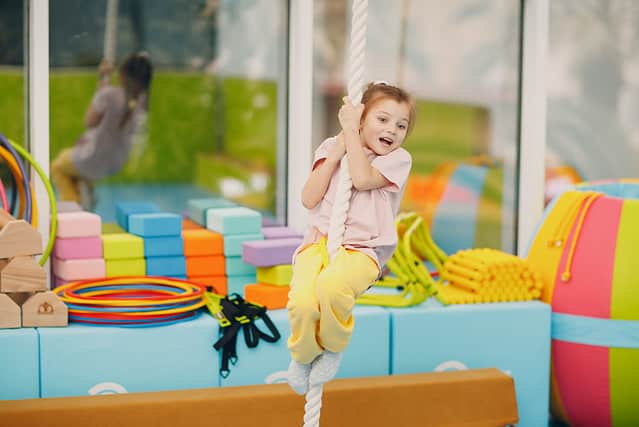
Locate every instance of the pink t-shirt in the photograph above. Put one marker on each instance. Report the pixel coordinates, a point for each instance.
(370, 222)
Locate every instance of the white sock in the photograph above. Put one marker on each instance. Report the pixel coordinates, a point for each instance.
(324, 368)
(298, 375)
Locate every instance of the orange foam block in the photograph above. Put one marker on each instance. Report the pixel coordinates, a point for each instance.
(211, 265)
(199, 242)
(187, 224)
(218, 282)
(270, 296)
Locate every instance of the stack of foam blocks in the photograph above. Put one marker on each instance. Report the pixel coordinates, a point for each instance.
(25, 300)
(236, 225)
(272, 258)
(161, 233)
(204, 254)
(77, 253)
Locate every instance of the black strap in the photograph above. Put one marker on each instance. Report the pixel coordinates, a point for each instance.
(242, 315)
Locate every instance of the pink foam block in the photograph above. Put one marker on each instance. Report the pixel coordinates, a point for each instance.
(266, 253)
(79, 224)
(280, 233)
(78, 248)
(78, 269)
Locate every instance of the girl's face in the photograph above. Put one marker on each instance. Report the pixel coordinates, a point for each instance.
(385, 126)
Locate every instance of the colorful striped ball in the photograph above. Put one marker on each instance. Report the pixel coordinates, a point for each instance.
(586, 249)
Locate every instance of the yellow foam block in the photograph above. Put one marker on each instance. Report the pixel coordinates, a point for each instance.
(122, 246)
(125, 267)
(277, 275)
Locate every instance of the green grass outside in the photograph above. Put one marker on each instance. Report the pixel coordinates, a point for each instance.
(201, 128)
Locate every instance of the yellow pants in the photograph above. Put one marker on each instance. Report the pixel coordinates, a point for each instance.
(322, 297)
(66, 177)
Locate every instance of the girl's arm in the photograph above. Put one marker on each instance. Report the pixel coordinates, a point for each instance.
(319, 179)
(317, 183)
(364, 175)
(92, 117)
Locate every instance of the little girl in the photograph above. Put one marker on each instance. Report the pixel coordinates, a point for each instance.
(111, 121)
(323, 294)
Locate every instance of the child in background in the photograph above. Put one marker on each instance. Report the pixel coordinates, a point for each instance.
(323, 294)
(112, 119)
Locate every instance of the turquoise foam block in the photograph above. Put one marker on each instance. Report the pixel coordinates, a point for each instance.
(81, 360)
(234, 220)
(124, 209)
(155, 224)
(236, 267)
(235, 284)
(19, 353)
(166, 266)
(367, 353)
(513, 337)
(197, 207)
(163, 246)
(233, 242)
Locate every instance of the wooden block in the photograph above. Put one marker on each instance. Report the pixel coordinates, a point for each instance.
(9, 312)
(22, 274)
(44, 309)
(471, 398)
(5, 218)
(270, 296)
(202, 242)
(213, 265)
(217, 282)
(276, 275)
(19, 297)
(18, 238)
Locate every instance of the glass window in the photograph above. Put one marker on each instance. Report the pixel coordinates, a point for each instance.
(12, 70)
(214, 108)
(593, 92)
(460, 61)
(13, 78)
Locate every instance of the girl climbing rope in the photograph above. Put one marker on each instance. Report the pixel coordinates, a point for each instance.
(323, 292)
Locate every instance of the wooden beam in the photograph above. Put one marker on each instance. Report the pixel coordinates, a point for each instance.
(473, 398)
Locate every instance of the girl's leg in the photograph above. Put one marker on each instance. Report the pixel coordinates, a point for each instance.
(303, 307)
(338, 286)
(65, 176)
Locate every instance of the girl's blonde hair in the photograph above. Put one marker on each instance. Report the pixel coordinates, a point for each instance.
(376, 91)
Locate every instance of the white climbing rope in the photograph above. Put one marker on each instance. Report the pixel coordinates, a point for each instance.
(110, 30)
(357, 55)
